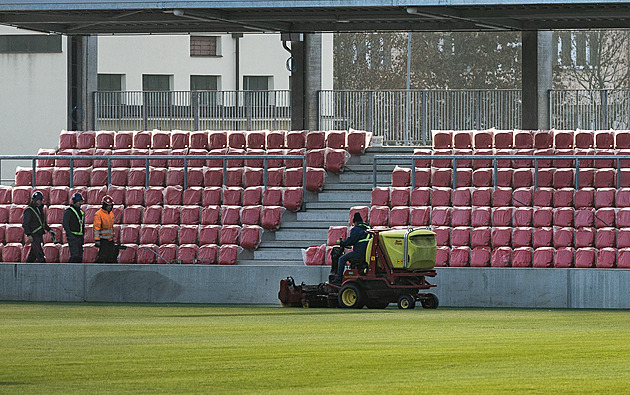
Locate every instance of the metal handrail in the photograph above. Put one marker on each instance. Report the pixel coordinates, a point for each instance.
(147, 158)
(495, 158)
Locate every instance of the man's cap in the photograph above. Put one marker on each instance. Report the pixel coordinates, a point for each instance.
(38, 195)
(77, 197)
(357, 218)
(108, 199)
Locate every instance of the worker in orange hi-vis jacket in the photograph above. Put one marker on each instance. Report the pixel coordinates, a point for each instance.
(104, 232)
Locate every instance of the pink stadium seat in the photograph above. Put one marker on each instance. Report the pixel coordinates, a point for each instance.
(543, 257)
(399, 196)
(424, 163)
(271, 216)
(442, 235)
(14, 233)
(154, 195)
(480, 257)
(503, 139)
(152, 215)
(119, 176)
(189, 215)
(483, 177)
(250, 215)
(358, 141)
(523, 139)
(563, 216)
(207, 254)
(480, 216)
(209, 234)
(379, 196)
(463, 139)
(502, 216)
(295, 139)
(21, 195)
(420, 197)
(604, 197)
(229, 234)
(483, 139)
(522, 257)
(315, 140)
(335, 160)
(442, 256)
(132, 214)
(461, 216)
(543, 216)
(502, 197)
(460, 257)
(584, 237)
(523, 178)
(399, 216)
(441, 196)
(564, 257)
(251, 236)
(336, 139)
(523, 216)
(440, 216)
(336, 233)
(563, 237)
(606, 258)
(422, 177)
(442, 139)
(605, 217)
(501, 237)
(605, 178)
(623, 259)
(379, 216)
(364, 211)
(584, 217)
(314, 255)
(523, 197)
(401, 177)
(314, 179)
(543, 139)
(522, 237)
(501, 257)
(584, 139)
(441, 177)
(482, 196)
(419, 216)
(292, 198)
(543, 237)
(460, 236)
(16, 213)
(252, 196)
(272, 196)
(504, 177)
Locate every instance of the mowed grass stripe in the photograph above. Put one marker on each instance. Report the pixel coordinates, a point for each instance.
(88, 348)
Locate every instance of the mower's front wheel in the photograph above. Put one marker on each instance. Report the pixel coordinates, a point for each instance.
(350, 296)
(406, 302)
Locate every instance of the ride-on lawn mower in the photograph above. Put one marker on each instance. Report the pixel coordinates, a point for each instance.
(397, 263)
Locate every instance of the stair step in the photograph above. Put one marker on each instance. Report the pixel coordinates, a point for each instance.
(323, 215)
(269, 262)
(312, 224)
(303, 234)
(345, 187)
(337, 205)
(348, 195)
(297, 244)
(287, 254)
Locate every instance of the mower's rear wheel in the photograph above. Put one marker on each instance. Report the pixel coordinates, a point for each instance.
(406, 302)
(350, 296)
(431, 302)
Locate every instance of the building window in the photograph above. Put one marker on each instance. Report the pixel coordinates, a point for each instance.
(110, 82)
(204, 82)
(156, 82)
(30, 43)
(256, 83)
(204, 46)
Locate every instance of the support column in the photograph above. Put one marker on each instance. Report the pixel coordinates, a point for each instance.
(537, 79)
(82, 81)
(298, 78)
(313, 79)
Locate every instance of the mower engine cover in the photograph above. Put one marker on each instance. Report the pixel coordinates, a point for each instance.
(421, 248)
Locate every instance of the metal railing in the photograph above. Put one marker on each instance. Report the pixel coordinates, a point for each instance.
(408, 116)
(411, 161)
(589, 109)
(193, 110)
(148, 158)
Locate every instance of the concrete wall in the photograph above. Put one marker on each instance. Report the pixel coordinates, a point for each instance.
(460, 287)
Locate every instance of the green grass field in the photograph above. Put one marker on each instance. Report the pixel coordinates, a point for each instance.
(93, 348)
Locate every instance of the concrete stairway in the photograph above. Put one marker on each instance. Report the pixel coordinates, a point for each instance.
(330, 207)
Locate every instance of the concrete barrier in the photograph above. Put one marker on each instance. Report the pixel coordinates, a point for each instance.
(457, 287)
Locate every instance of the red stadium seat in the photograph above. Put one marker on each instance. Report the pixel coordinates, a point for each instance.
(132, 215)
(358, 141)
(442, 256)
(584, 198)
(153, 196)
(605, 217)
(623, 238)
(522, 237)
(250, 215)
(442, 139)
(480, 257)
(336, 233)
(168, 234)
(90, 211)
(199, 140)
(116, 192)
(483, 139)
(441, 196)
(464, 177)
(563, 237)
(424, 163)
(543, 257)
(5, 194)
(230, 215)
(314, 179)
(502, 197)
(564, 257)
(442, 235)
(61, 177)
(605, 237)
(543, 139)
(605, 163)
(211, 215)
(564, 178)
(252, 196)
(21, 195)
(399, 196)
(43, 176)
(229, 234)
(460, 236)
(523, 139)
(253, 176)
(623, 217)
(211, 196)
(136, 176)
(14, 233)
(175, 176)
(459, 257)
(130, 234)
(543, 216)
(480, 216)
(212, 177)
(16, 213)
(68, 139)
(316, 157)
(483, 163)
(190, 215)
(503, 139)
(208, 254)
(4, 213)
(134, 162)
(209, 234)
(422, 177)
(98, 177)
(336, 160)
(133, 195)
(363, 211)
(271, 216)
(171, 214)
(563, 216)
(584, 237)
(584, 217)
(232, 196)
(174, 195)
(401, 177)
(584, 139)
(545, 177)
(420, 197)
(64, 162)
(461, 216)
(199, 163)
(149, 233)
(275, 139)
(399, 216)
(604, 197)
(187, 253)
(86, 139)
(501, 237)
(119, 176)
(463, 139)
(523, 178)
(54, 214)
(502, 216)
(606, 258)
(605, 178)
(440, 216)
(522, 197)
(180, 139)
(12, 253)
(251, 236)
(441, 177)
(522, 257)
(481, 196)
(336, 139)
(234, 177)
(292, 198)
(543, 197)
(188, 234)
(523, 163)
(563, 139)
(501, 257)
(272, 196)
(237, 140)
(504, 177)
(419, 216)
(51, 252)
(622, 197)
(314, 255)
(152, 215)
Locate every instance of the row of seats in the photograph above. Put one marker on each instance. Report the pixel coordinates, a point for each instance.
(266, 216)
(581, 198)
(354, 140)
(512, 178)
(543, 257)
(526, 139)
(290, 197)
(226, 254)
(195, 176)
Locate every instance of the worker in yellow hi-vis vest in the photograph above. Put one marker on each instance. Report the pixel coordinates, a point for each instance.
(34, 224)
(74, 226)
(104, 232)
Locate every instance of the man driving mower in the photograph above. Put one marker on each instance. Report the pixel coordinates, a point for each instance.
(358, 239)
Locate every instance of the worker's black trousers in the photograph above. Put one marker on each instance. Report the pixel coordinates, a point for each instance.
(37, 251)
(76, 249)
(107, 253)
